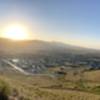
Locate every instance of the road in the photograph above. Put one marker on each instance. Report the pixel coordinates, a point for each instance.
(15, 67)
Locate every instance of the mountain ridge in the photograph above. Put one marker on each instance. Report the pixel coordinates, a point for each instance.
(33, 47)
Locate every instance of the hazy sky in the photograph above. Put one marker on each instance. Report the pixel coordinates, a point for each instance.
(70, 21)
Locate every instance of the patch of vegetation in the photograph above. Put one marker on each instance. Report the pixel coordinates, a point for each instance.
(4, 90)
(22, 87)
(96, 89)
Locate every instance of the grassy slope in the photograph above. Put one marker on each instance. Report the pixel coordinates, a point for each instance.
(46, 88)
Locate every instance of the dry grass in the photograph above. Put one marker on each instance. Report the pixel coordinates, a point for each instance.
(46, 88)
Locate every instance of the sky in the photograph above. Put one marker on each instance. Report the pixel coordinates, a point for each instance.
(75, 22)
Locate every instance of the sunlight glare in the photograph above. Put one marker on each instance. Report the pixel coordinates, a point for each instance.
(16, 32)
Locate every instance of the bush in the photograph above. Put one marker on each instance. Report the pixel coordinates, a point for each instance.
(4, 90)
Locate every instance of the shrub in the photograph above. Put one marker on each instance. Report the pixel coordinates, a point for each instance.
(4, 90)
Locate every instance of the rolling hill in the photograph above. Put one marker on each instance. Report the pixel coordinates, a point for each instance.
(38, 47)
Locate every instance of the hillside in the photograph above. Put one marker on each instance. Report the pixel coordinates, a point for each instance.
(41, 87)
(40, 70)
(38, 47)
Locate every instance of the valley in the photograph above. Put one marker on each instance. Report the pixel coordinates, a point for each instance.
(49, 71)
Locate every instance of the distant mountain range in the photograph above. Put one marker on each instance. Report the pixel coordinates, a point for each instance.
(38, 47)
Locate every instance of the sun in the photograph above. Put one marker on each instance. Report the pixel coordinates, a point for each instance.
(15, 32)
